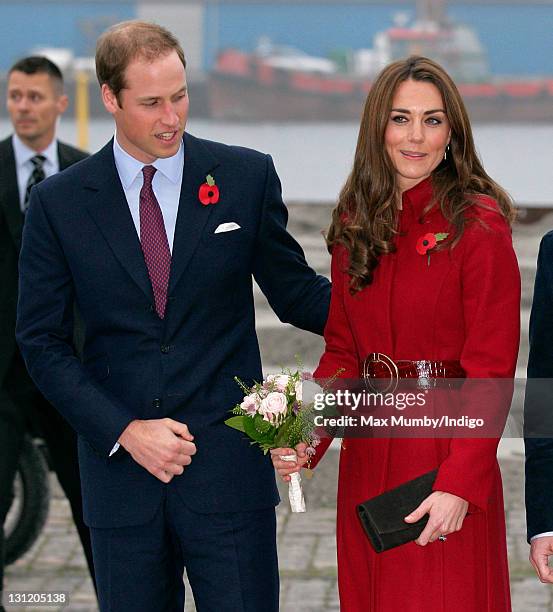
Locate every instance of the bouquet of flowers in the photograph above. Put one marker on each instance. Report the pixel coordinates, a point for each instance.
(273, 415)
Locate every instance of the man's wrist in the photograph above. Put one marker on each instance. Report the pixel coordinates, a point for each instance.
(126, 433)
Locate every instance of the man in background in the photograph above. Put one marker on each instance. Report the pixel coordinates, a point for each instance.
(35, 100)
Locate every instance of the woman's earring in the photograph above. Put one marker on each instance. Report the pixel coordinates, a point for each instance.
(445, 152)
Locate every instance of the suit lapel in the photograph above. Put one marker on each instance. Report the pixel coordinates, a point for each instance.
(9, 192)
(64, 160)
(68, 155)
(192, 215)
(110, 211)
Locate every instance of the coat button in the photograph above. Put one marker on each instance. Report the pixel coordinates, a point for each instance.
(156, 403)
(165, 348)
(151, 308)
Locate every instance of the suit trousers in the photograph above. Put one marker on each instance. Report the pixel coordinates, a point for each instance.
(21, 404)
(230, 560)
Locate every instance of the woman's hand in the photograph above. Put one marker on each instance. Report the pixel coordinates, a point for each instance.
(446, 515)
(285, 468)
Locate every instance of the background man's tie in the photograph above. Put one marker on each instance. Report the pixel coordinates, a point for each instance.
(154, 241)
(37, 175)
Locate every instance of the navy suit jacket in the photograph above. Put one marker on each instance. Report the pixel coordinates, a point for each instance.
(538, 406)
(80, 242)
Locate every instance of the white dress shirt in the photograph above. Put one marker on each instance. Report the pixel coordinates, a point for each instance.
(24, 167)
(166, 185)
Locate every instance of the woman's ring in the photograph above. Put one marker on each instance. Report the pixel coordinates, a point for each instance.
(442, 538)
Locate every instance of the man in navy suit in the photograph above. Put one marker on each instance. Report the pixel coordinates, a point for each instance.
(538, 417)
(160, 262)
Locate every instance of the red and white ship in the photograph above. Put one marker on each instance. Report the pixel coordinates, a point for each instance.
(277, 83)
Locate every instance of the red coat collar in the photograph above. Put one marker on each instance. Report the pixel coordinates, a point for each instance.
(419, 196)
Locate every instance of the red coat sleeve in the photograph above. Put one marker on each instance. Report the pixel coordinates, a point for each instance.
(491, 307)
(340, 349)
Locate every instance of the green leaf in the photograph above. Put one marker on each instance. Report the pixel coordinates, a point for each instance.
(210, 180)
(259, 430)
(249, 429)
(281, 439)
(440, 236)
(236, 422)
(261, 424)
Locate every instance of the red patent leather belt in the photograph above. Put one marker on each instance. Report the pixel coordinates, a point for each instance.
(378, 366)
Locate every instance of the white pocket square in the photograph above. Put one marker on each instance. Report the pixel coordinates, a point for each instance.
(227, 227)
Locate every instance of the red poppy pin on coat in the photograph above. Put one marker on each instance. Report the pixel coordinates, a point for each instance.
(427, 242)
(209, 192)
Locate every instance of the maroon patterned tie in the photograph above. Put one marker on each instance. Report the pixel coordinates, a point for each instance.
(154, 241)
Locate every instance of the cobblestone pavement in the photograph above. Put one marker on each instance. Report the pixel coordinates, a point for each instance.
(306, 541)
(307, 550)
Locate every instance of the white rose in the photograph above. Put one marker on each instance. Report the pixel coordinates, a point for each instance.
(273, 406)
(278, 381)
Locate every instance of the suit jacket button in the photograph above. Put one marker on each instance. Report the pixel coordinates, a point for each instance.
(151, 308)
(156, 403)
(165, 349)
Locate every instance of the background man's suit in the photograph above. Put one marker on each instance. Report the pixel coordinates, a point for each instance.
(80, 242)
(20, 401)
(539, 399)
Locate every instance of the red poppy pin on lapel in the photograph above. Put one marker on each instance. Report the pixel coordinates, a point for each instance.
(209, 192)
(427, 242)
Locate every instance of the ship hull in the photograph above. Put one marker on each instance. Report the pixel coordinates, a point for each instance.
(238, 98)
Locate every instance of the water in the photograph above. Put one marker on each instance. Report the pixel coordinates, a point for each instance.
(314, 159)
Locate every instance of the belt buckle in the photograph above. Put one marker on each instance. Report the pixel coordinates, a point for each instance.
(426, 379)
(392, 368)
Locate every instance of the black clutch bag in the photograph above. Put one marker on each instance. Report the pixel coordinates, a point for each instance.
(383, 516)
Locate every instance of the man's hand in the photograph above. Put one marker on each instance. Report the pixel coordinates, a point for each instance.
(446, 515)
(540, 551)
(161, 446)
(285, 468)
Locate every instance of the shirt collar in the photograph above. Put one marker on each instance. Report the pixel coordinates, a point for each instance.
(23, 153)
(129, 167)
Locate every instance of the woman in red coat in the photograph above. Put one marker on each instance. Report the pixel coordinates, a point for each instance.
(416, 173)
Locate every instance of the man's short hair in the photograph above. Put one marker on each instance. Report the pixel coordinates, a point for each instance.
(126, 41)
(37, 64)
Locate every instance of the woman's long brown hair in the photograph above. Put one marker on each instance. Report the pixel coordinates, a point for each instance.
(365, 219)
